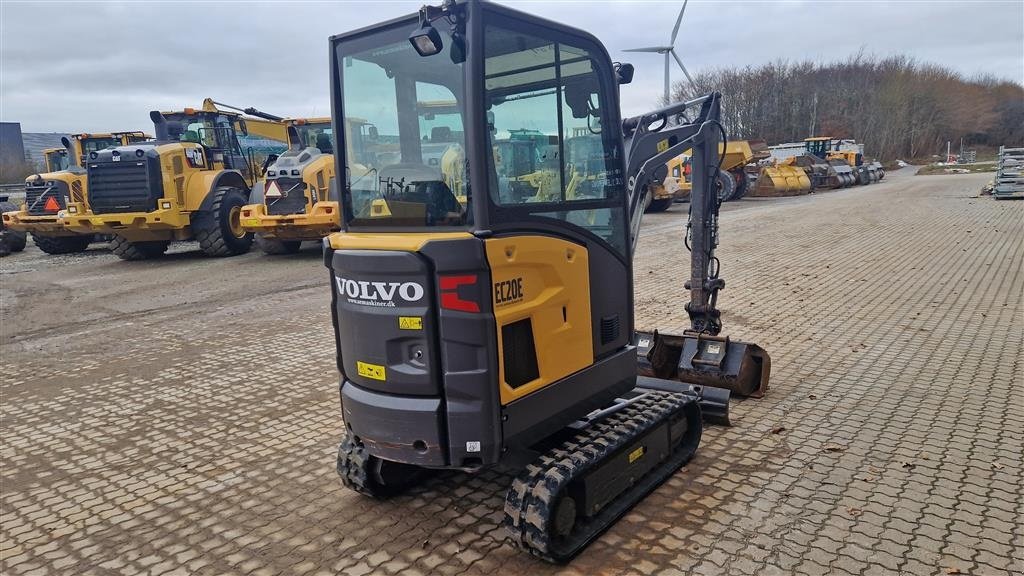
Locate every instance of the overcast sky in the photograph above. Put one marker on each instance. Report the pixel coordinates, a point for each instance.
(78, 67)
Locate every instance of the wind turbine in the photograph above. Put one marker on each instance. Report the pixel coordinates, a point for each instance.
(669, 50)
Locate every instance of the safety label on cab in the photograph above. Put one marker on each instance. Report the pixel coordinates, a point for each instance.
(662, 145)
(410, 323)
(374, 371)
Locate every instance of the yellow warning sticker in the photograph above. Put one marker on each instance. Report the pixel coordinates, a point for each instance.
(636, 454)
(662, 145)
(375, 371)
(251, 222)
(410, 323)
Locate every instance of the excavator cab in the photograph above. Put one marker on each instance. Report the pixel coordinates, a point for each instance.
(499, 325)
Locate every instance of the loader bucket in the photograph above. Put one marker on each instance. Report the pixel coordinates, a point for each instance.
(716, 361)
(782, 181)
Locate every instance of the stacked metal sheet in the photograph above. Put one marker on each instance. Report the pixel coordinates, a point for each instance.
(1009, 182)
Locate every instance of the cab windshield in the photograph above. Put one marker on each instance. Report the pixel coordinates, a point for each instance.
(56, 161)
(405, 114)
(211, 130)
(316, 136)
(97, 144)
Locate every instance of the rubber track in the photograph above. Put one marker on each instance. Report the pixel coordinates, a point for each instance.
(352, 467)
(533, 496)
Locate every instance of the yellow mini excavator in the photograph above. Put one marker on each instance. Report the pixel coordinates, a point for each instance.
(501, 328)
(48, 193)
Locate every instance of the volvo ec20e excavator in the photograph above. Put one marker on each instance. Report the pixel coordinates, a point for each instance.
(501, 328)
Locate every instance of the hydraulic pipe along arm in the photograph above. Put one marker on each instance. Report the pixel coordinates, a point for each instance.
(699, 356)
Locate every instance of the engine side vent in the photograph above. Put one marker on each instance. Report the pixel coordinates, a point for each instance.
(76, 192)
(609, 328)
(519, 353)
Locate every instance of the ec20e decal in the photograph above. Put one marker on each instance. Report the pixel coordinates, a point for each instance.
(508, 291)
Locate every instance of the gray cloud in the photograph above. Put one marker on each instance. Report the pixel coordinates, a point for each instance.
(99, 66)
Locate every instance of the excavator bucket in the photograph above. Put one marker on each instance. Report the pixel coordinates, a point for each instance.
(782, 181)
(714, 361)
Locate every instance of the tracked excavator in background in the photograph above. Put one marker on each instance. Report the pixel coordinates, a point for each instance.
(502, 329)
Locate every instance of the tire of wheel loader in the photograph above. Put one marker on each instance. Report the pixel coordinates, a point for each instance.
(61, 244)
(726, 186)
(14, 239)
(659, 205)
(371, 476)
(742, 184)
(273, 246)
(126, 250)
(219, 230)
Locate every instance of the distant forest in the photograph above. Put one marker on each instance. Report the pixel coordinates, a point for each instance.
(897, 107)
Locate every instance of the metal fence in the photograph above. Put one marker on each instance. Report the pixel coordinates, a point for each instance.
(1009, 182)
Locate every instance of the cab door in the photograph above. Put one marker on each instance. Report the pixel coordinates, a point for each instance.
(559, 261)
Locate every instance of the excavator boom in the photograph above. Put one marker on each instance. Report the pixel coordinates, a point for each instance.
(699, 356)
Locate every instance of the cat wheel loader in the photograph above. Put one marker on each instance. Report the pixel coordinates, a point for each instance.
(190, 183)
(64, 181)
(501, 329)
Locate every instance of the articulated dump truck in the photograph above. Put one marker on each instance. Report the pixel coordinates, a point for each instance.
(734, 176)
(48, 194)
(190, 183)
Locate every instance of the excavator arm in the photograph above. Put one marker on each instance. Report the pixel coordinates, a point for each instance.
(651, 141)
(699, 355)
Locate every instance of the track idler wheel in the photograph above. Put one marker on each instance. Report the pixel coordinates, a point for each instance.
(372, 476)
(572, 493)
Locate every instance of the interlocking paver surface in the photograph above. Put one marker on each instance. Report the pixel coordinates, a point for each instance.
(181, 416)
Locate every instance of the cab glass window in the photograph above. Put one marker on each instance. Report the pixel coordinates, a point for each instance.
(405, 142)
(551, 155)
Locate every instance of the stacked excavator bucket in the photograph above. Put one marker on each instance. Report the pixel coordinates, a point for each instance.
(782, 180)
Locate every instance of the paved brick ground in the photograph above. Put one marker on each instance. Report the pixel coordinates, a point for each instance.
(189, 432)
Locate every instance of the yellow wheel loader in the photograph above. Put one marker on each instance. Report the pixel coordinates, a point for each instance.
(190, 183)
(500, 329)
(48, 194)
(298, 199)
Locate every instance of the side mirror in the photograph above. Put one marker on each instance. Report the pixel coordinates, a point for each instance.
(373, 133)
(623, 73)
(242, 128)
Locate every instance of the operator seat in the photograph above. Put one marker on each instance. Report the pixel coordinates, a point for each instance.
(423, 185)
(323, 143)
